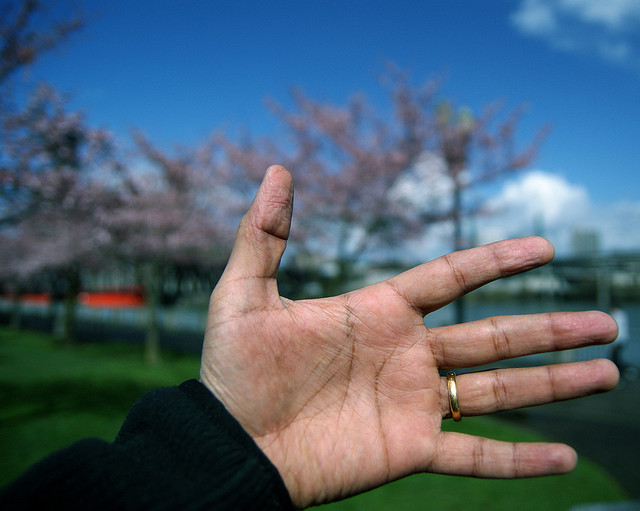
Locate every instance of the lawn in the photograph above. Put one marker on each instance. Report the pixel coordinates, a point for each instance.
(51, 396)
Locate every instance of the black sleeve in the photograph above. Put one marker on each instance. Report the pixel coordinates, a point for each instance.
(178, 449)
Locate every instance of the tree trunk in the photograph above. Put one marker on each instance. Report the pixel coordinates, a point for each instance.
(65, 322)
(153, 283)
(16, 309)
(458, 244)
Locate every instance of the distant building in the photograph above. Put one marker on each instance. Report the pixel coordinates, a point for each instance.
(585, 243)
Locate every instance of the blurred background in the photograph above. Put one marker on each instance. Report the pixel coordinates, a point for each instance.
(134, 134)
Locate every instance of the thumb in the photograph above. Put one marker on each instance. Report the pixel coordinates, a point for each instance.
(262, 235)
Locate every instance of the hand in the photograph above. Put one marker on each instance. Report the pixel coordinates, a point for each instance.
(343, 394)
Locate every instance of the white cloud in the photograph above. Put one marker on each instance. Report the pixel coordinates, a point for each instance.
(425, 186)
(545, 203)
(541, 195)
(606, 28)
(535, 18)
(615, 51)
(613, 14)
(535, 203)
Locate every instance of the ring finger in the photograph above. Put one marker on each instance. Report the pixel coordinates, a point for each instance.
(508, 389)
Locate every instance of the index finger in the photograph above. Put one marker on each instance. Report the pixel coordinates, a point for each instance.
(434, 284)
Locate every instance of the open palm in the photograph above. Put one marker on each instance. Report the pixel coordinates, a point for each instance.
(343, 394)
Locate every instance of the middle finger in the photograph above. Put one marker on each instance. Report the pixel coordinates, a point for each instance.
(499, 338)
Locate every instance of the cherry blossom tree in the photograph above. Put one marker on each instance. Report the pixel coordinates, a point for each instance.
(173, 212)
(28, 28)
(24, 37)
(68, 205)
(476, 151)
(344, 160)
(45, 138)
(51, 196)
(462, 152)
(349, 160)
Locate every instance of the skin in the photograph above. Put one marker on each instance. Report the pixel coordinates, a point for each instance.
(343, 394)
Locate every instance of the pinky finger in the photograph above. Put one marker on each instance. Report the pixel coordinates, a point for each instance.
(466, 455)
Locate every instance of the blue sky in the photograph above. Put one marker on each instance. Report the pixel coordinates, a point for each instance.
(180, 70)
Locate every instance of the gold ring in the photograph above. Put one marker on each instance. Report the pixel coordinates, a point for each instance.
(454, 406)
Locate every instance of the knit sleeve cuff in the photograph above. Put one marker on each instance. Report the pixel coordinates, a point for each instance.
(188, 434)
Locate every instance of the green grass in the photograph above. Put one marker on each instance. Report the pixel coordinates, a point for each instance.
(52, 396)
